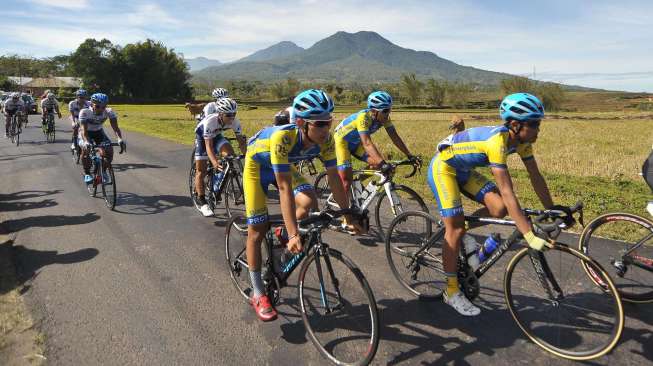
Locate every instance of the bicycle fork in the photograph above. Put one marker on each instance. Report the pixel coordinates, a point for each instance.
(545, 276)
(321, 253)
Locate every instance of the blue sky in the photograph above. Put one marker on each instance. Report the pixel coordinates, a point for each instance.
(605, 44)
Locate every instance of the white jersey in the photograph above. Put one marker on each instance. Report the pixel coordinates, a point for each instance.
(51, 105)
(75, 106)
(210, 108)
(94, 121)
(211, 126)
(11, 106)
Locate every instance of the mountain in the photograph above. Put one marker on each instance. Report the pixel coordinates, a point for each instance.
(279, 50)
(199, 63)
(362, 57)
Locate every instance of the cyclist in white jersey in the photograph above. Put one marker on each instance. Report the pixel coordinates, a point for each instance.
(74, 107)
(10, 107)
(210, 108)
(91, 132)
(49, 104)
(209, 142)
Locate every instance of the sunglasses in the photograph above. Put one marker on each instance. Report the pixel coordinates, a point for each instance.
(320, 123)
(534, 123)
(98, 106)
(385, 111)
(231, 115)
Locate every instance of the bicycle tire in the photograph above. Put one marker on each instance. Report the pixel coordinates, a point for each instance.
(558, 336)
(322, 189)
(604, 231)
(414, 203)
(109, 189)
(366, 336)
(233, 196)
(236, 255)
(419, 270)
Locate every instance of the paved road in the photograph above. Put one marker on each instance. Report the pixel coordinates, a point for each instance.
(147, 284)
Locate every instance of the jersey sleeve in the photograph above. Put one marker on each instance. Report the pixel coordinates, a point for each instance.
(281, 142)
(210, 126)
(525, 151)
(71, 106)
(388, 124)
(235, 125)
(328, 152)
(111, 114)
(496, 150)
(85, 115)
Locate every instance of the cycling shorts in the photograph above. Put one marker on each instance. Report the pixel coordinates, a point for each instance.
(256, 180)
(200, 146)
(447, 183)
(344, 151)
(97, 137)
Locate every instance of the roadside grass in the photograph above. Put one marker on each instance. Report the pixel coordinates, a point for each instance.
(597, 161)
(20, 342)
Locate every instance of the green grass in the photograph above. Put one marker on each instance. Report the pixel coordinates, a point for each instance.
(597, 161)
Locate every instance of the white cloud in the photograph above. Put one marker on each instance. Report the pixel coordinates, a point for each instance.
(150, 14)
(67, 4)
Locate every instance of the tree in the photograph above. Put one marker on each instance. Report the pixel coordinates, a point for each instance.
(435, 92)
(6, 84)
(292, 87)
(459, 93)
(517, 84)
(552, 95)
(93, 62)
(412, 87)
(278, 91)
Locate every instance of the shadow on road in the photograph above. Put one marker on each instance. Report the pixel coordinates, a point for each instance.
(15, 225)
(130, 166)
(149, 205)
(19, 156)
(27, 194)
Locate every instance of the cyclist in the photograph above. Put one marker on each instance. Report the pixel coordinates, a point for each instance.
(74, 107)
(451, 172)
(91, 132)
(270, 154)
(283, 117)
(210, 108)
(353, 136)
(49, 104)
(10, 107)
(209, 142)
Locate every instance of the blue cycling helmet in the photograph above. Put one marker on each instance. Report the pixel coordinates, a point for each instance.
(521, 107)
(81, 93)
(100, 98)
(312, 104)
(379, 100)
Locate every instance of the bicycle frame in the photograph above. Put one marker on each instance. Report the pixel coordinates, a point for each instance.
(371, 195)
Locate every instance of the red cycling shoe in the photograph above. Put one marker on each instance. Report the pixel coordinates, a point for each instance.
(263, 308)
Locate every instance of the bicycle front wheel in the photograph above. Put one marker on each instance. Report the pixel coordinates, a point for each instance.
(338, 309)
(109, 189)
(413, 248)
(558, 307)
(622, 243)
(403, 199)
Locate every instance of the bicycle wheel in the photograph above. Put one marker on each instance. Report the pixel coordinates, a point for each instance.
(622, 243)
(12, 130)
(109, 189)
(413, 248)
(51, 132)
(236, 255)
(338, 309)
(191, 186)
(19, 129)
(322, 189)
(558, 307)
(405, 200)
(233, 197)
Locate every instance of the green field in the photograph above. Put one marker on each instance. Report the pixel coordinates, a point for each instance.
(595, 160)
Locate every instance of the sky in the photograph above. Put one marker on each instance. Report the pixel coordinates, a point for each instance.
(602, 44)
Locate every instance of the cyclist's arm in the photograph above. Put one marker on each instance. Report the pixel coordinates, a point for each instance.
(504, 183)
(209, 151)
(242, 143)
(538, 182)
(83, 132)
(375, 157)
(396, 139)
(114, 126)
(336, 187)
(287, 202)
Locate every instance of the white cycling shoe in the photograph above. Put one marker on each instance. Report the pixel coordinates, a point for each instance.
(461, 304)
(206, 210)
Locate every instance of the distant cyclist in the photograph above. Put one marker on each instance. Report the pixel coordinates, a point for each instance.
(49, 105)
(211, 108)
(11, 106)
(75, 106)
(91, 132)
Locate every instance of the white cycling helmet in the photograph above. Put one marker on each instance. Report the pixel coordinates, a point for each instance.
(50, 96)
(218, 93)
(226, 105)
(15, 95)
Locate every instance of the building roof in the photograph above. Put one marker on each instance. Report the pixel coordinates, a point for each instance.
(51, 82)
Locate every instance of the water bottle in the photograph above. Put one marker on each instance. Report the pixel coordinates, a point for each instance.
(279, 240)
(217, 178)
(368, 189)
(490, 245)
(471, 250)
(357, 191)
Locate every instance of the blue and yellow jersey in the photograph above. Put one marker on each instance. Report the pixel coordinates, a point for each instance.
(359, 123)
(482, 146)
(276, 147)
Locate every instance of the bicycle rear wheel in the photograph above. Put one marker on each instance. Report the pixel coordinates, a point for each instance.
(51, 137)
(322, 189)
(413, 248)
(109, 189)
(338, 309)
(622, 243)
(558, 307)
(405, 200)
(236, 254)
(233, 196)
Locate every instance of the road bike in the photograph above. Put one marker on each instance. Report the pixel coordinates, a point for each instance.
(48, 128)
(107, 181)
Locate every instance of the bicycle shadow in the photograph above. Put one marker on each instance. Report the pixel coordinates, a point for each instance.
(21, 195)
(133, 204)
(19, 156)
(644, 333)
(131, 166)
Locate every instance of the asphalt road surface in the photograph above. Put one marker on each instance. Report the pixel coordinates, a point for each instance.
(148, 284)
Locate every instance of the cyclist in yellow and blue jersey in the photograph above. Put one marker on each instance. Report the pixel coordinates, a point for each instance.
(269, 158)
(353, 136)
(451, 172)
